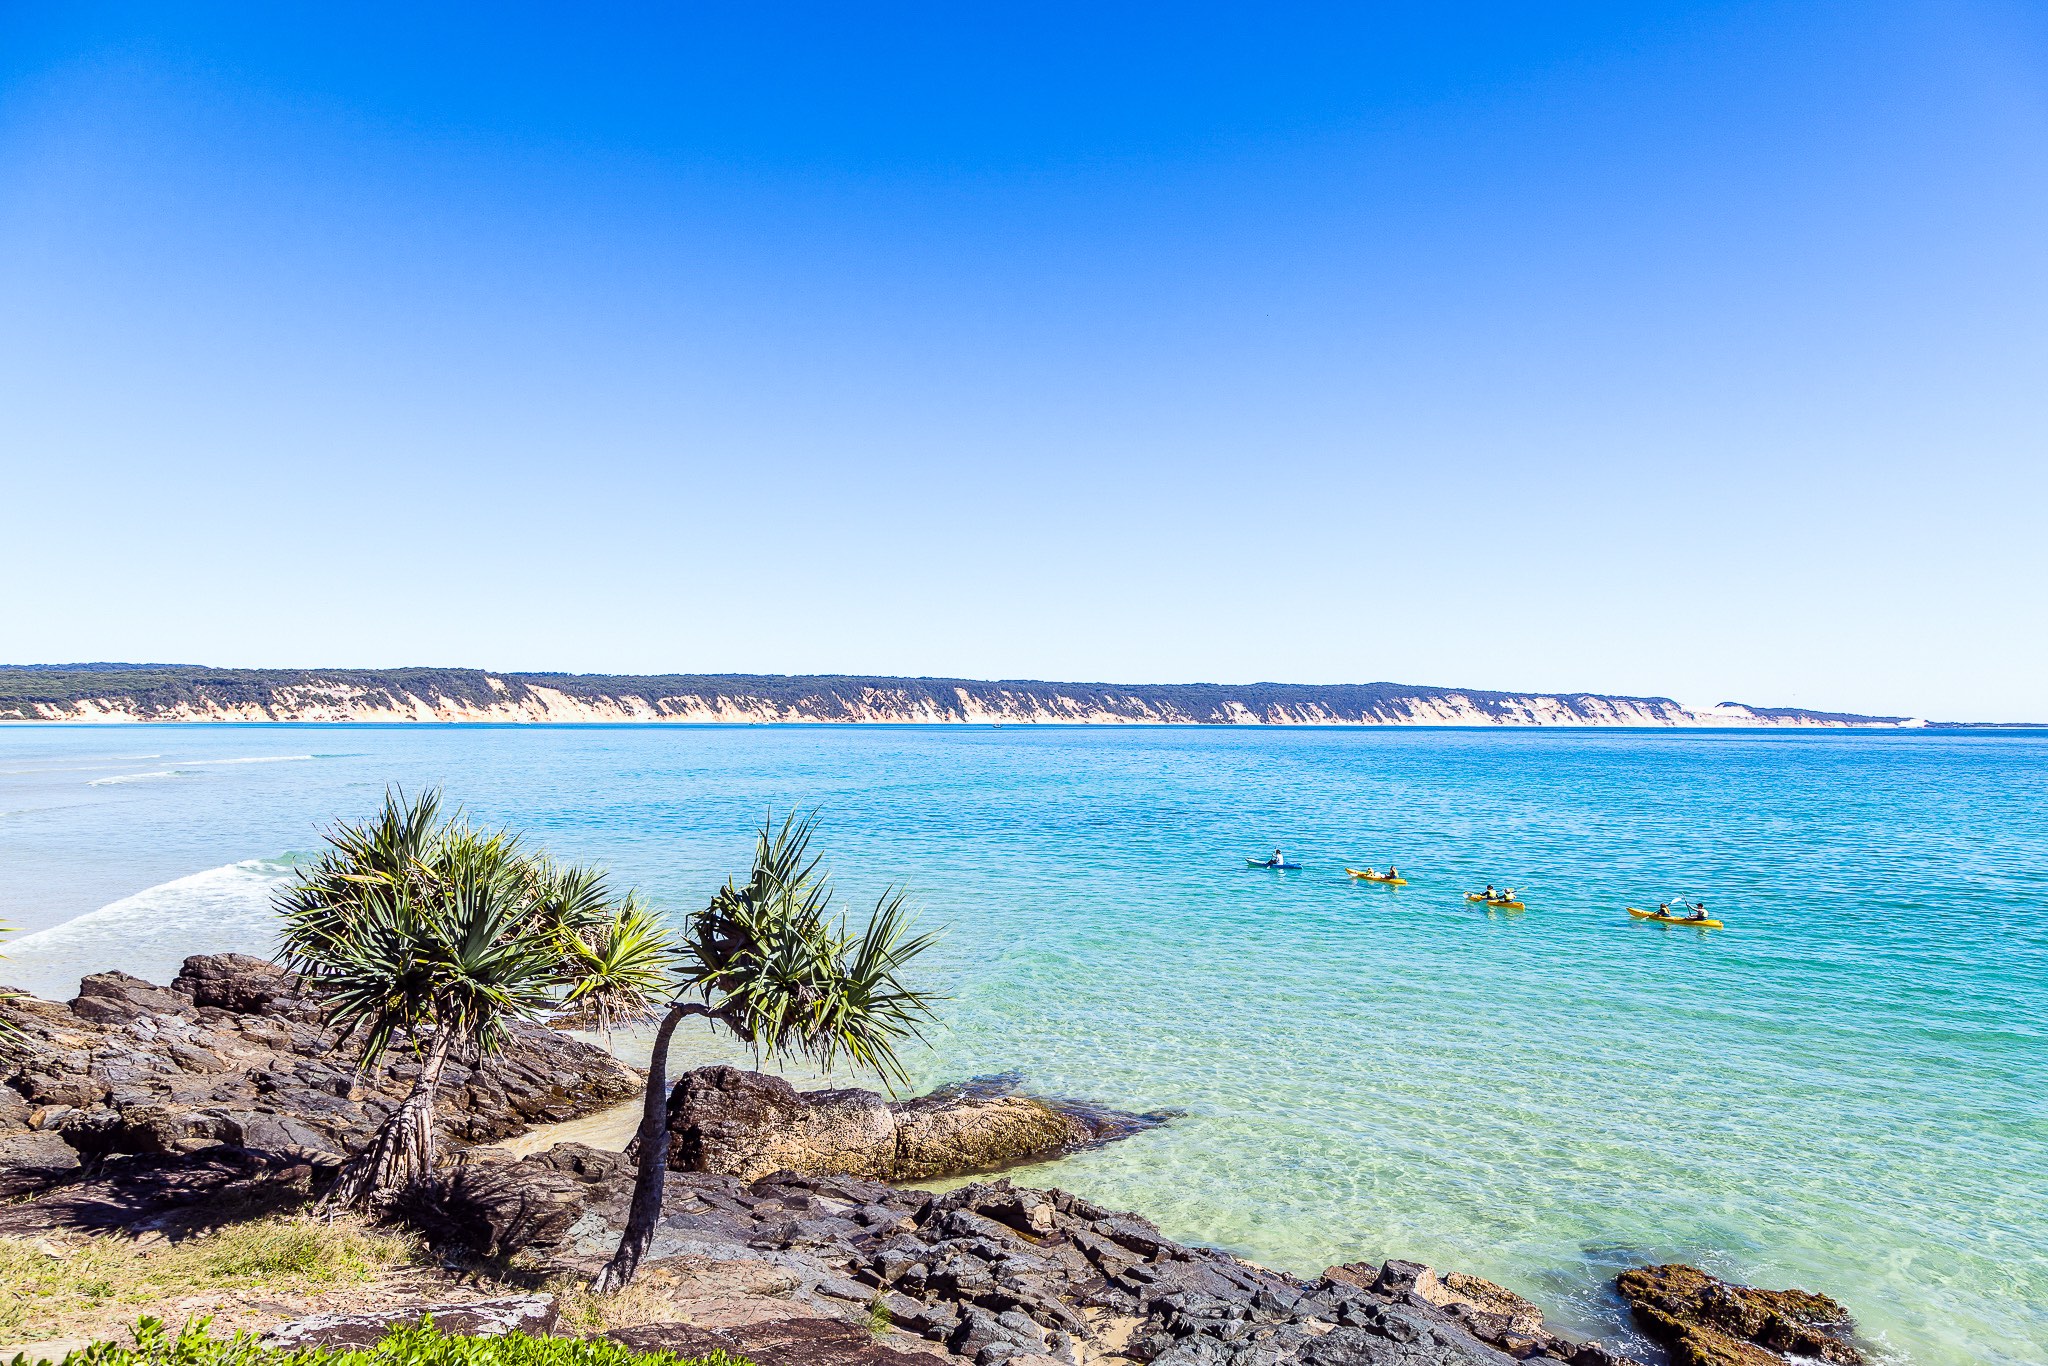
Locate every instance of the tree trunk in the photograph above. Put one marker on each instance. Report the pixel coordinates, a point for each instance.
(645, 1213)
(403, 1149)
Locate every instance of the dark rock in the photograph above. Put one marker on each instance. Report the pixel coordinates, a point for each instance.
(166, 1192)
(534, 1314)
(242, 985)
(781, 1342)
(495, 1208)
(1398, 1338)
(1706, 1321)
(117, 998)
(14, 1109)
(31, 1160)
(235, 1053)
(1363, 1275)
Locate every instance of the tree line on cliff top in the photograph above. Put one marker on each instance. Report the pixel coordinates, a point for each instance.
(427, 929)
(155, 690)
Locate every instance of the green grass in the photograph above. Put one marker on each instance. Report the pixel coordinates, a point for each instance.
(421, 1345)
(49, 1289)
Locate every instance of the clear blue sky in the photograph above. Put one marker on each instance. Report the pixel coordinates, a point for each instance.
(1687, 349)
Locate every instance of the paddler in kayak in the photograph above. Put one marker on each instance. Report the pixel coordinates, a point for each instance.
(1279, 859)
(1392, 872)
(1490, 894)
(1699, 911)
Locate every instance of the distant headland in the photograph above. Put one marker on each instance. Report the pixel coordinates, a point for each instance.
(182, 692)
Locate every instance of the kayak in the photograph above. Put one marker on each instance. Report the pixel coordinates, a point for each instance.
(1663, 919)
(1496, 901)
(1367, 875)
(1278, 867)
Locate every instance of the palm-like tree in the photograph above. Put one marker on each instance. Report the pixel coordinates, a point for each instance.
(431, 929)
(765, 962)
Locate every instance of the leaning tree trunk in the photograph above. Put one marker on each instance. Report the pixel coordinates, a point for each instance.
(653, 1160)
(402, 1150)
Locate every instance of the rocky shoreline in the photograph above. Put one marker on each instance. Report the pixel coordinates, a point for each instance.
(163, 1112)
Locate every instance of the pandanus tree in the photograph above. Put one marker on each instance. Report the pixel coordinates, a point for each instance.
(437, 933)
(766, 963)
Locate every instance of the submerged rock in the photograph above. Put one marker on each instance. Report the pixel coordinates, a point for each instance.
(234, 1054)
(1706, 1321)
(733, 1122)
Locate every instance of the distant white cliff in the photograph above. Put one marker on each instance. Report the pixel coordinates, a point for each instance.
(117, 693)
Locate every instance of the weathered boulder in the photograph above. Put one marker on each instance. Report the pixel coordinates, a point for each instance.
(734, 1122)
(952, 1135)
(235, 1052)
(747, 1124)
(1706, 1321)
(495, 1206)
(245, 985)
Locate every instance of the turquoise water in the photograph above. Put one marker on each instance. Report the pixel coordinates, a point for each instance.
(1843, 1090)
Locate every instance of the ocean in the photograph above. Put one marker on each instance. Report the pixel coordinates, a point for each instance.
(1846, 1089)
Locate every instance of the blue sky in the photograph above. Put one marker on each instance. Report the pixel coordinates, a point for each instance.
(1697, 350)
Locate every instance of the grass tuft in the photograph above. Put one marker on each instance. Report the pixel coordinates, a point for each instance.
(50, 1288)
(584, 1310)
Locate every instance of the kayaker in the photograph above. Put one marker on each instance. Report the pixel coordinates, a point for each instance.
(1392, 872)
(1490, 894)
(1699, 911)
(1279, 859)
(1507, 894)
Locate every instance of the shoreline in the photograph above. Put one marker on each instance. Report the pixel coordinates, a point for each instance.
(987, 1272)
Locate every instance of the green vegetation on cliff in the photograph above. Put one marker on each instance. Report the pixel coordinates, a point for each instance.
(174, 691)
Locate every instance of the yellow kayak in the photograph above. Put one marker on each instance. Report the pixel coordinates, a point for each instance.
(1368, 875)
(1663, 919)
(1503, 904)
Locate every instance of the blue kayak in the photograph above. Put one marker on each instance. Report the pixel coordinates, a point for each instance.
(1278, 867)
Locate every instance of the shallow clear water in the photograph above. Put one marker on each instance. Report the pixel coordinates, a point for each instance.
(1846, 1089)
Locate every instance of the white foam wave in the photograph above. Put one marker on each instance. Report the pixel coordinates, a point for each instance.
(253, 759)
(103, 761)
(222, 910)
(183, 770)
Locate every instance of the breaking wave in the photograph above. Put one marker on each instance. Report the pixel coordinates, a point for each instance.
(182, 769)
(150, 934)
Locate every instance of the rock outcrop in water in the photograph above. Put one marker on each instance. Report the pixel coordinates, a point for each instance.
(234, 1053)
(733, 1122)
(1705, 1321)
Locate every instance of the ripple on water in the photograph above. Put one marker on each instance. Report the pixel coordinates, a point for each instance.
(1843, 1090)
